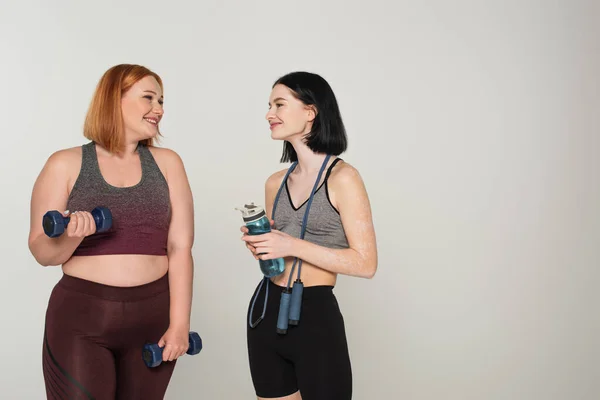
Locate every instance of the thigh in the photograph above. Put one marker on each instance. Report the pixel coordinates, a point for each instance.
(137, 381)
(273, 374)
(75, 363)
(323, 367)
(79, 370)
(148, 320)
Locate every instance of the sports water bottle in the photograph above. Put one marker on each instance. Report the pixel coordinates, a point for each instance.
(257, 222)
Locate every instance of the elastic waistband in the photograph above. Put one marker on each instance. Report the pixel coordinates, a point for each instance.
(115, 293)
(307, 291)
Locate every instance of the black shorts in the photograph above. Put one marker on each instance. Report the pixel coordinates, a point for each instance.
(312, 357)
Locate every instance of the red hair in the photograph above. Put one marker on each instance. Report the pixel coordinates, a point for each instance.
(104, 119)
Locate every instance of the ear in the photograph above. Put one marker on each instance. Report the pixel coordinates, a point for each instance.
(312, 113)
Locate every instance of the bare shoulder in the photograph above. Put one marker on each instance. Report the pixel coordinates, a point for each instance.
(64, 164)
(271, 187)
(344, 174)
(58, 174)
(168, 161)
(346, 188)
(162, 154)
(274, 180)
(65, 158)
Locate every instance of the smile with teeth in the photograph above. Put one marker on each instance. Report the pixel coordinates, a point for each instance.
(153, 121)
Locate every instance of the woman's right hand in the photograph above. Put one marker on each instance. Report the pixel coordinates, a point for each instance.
(81, 224)
(244, 230)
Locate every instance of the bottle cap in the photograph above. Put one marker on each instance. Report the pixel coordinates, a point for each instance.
(251, 212)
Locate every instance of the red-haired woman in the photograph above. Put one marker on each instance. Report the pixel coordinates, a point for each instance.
(129, 285)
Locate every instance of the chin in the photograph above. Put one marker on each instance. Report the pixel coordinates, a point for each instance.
(151, 135)
(281, 135)
(274, 136)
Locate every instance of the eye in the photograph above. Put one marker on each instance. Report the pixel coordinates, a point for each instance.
(149, 97)
(279, 105)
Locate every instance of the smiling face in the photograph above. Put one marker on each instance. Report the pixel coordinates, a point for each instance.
(288, 117)
(142, 107)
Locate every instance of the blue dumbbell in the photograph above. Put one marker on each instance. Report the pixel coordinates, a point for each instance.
(55, 224)
(152, 354)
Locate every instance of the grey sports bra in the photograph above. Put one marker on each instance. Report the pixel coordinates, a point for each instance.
(324, 225)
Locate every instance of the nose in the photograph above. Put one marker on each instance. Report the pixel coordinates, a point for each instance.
(158, 109)
(270, 114)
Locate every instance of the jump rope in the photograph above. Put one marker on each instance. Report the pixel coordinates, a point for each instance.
(291, 299)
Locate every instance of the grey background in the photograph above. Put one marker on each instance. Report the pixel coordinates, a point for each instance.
(473, 123)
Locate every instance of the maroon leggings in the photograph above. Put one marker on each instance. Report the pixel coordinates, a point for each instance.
(94, 337)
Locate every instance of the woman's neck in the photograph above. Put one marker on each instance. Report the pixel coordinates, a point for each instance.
(309, 162)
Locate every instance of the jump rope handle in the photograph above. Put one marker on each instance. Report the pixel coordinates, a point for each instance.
(296, 303)
(284, 310)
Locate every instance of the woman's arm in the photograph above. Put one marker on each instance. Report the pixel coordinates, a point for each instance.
(51, 192)
(180, 241)
(352, 202)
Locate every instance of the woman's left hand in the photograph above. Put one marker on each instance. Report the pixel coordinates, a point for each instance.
(175, 342)
(274, 244)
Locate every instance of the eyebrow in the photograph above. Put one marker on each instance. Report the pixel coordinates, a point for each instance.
(277, 99)
(151, 91)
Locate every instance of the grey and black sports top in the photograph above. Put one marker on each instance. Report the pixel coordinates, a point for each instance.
(324, 225)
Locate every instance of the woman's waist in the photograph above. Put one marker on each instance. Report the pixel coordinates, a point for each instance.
(310, 275)
(118, 269)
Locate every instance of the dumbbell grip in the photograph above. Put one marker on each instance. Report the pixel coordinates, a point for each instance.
(55, 224)
(152, 353)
